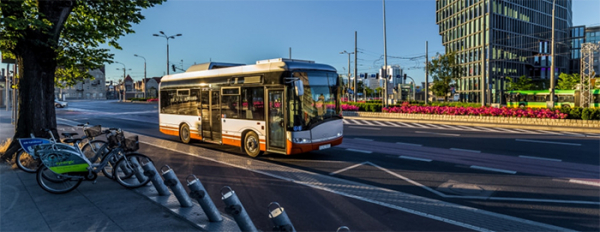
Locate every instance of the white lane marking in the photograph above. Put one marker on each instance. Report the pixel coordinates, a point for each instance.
(361, 151)
(572, 134)
(406, 124)
(364, 128)
(539, 158)
(584, 182)
(364, 139)
(507, 130)
(592, 136)
(413, 158)
(368, 123)
(549, 142)
(466, 150)
(492, 169)
(390, 124)
(347, 168)
(466, 128)
(424, 132)
(379, 123)
(549, 132)
(436, 126)
(410, 144)
(420, 125)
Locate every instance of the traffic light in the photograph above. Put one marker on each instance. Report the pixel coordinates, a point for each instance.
(366, 75)
(377, 76)
(405, 78)
(173, 68)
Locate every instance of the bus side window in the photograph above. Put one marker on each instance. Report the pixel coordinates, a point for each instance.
(253, 103)
(168, 103)
(230, 106)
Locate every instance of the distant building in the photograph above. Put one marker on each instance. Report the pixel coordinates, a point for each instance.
(86, 89)
(149, 85)
(499, 39)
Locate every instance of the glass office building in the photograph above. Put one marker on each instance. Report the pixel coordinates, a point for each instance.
(503, 38)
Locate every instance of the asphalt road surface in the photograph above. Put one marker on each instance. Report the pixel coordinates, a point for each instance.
(533, 177)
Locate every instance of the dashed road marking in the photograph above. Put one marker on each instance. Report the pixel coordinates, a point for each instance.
(409, 144)
(414, 158)
(539, 158)
(492, 169)
(548, 142)
(424, 132)
(466, 150)
(361, 151)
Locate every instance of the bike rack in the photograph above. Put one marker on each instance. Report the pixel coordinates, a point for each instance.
(150, 172)
(234, 207)
(173, 183)
(343, 228)
(280, 219)
(198, 192)
(137, 170)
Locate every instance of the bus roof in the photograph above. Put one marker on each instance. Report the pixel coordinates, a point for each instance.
(217, 69)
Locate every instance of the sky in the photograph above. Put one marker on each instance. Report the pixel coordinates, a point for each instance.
(252, 30)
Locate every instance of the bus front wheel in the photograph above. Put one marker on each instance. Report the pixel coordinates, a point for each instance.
(252, 144)
(184, 133)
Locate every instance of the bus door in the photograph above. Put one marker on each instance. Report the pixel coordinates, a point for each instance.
(211, 115)
(275, 120)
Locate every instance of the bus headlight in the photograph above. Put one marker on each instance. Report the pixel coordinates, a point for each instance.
(301, 140)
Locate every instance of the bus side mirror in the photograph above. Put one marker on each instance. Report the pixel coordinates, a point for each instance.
(299, 87)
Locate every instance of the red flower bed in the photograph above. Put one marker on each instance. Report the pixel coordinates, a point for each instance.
(481, 111)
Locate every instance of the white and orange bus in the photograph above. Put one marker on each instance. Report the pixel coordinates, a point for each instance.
(280, 105)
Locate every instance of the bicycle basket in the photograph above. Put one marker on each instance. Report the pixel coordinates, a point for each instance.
(115, 140)
(94, 131)
(131, 144)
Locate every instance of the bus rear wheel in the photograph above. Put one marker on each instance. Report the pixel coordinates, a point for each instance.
(184, 133)
(252, 144)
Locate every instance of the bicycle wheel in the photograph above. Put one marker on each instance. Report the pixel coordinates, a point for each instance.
(56, 183)
(92, 150)
(108, 169)
(131, 163)
(26, 162)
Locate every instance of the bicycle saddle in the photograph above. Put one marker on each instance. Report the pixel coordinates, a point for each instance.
(65, 134)
(72, 140)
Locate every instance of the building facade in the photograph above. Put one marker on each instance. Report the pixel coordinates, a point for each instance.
(496, 39)
(86, 89)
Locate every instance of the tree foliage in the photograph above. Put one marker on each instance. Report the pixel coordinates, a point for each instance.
(445, 71)
(58, 42)
(568, 81)
(522, 83)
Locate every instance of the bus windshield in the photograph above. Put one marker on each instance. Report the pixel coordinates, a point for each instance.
(320, 102)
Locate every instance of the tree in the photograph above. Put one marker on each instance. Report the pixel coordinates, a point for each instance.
(46, 35)
(522, 83)
(568, 81)
(445, 71)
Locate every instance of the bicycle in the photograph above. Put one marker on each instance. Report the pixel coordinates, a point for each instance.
(26, 159)
(28, 162)
(63, 170)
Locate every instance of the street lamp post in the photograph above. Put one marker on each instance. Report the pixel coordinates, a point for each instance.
(550, 103)
(162, 34)
(385, 77)
(143, 81)
(354, 90)
(124, 76)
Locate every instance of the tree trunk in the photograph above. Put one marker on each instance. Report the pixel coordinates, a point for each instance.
(35, 94)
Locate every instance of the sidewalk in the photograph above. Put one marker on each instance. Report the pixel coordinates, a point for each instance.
(104, 206)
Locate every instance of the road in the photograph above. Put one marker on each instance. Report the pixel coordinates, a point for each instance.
(538, 178)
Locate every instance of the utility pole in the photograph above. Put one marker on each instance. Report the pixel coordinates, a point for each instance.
(355, 68)
(483, 57)
(426, 72)
(290, 53)
(349, 70)
(385, 82)
(550, 103)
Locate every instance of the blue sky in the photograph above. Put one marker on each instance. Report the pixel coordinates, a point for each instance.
(247, 31)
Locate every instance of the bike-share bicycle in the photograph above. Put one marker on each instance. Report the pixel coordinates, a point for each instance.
(28, 162)
(63, 169)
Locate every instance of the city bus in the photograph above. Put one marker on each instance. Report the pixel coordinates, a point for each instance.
(283, 106)
(538, 98)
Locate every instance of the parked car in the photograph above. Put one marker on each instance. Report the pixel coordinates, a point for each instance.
(60, 104)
